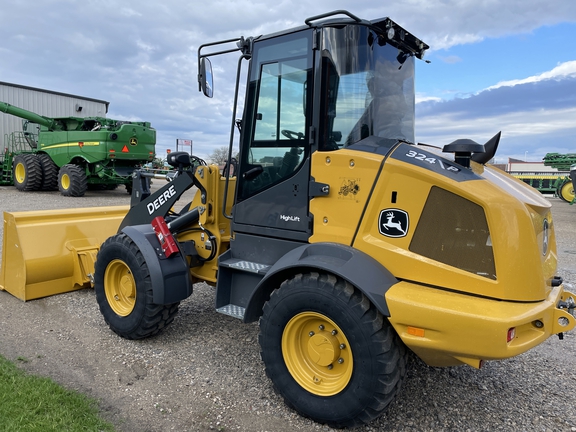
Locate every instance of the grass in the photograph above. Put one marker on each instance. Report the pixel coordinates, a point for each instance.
(29, 403)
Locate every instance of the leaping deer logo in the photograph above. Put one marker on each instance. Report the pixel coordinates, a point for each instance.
(389, 224)
(393, 223)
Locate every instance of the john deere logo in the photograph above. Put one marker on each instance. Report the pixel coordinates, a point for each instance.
(133, 141)
(393, 223)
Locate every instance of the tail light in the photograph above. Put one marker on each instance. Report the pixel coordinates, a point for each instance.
(511, 334)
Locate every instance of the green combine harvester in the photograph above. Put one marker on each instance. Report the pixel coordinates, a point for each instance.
(71, 154)
(561, 183)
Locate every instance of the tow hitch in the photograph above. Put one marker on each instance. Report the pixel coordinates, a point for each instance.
(568, 304)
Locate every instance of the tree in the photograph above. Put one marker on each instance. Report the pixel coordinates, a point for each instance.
(157, 162)
(220, 156)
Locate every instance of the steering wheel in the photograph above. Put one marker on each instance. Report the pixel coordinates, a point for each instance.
(292, 135)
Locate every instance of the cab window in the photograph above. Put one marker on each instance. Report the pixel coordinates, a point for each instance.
(279, 132)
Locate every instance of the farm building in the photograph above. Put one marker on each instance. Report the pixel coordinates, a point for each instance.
(46, 103)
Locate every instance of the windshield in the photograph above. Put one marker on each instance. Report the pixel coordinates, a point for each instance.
(368, 89)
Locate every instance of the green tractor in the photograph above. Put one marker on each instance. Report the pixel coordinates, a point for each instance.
(565, 185)
(73, 153)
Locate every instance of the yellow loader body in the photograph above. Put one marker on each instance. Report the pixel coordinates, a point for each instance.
(466, 263)
(53, 251)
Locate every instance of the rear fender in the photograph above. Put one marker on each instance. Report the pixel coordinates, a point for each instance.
(170, 277)
(80, 160)
(352, 265)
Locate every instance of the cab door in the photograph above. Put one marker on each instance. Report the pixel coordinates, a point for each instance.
(272, 191)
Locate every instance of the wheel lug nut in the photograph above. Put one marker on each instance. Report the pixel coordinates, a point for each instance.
(334, 332)
(321, 327)
(342, 346)
(340, 360)
(311, 334)
(330, 367)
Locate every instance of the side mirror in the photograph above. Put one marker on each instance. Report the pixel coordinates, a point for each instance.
(206, 80)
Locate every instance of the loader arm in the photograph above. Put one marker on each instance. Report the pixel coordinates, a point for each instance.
(160, 203)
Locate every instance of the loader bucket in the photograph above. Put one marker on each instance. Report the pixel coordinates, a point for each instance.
(53, 251)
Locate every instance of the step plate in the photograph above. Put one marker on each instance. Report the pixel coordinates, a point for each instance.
(232, 310)
(249, 266)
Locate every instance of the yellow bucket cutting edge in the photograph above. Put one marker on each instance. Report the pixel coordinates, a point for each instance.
(53, 251)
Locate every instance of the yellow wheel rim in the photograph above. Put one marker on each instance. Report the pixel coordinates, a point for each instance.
(317, 354)
(65, 181)
(20, 172)
(120, 287)
(567, 192)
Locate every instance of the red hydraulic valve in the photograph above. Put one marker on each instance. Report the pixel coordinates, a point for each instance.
(165, 237)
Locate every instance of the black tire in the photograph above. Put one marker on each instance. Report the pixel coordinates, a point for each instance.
(49, 173)
(129, 189)
(359, 373)
(27, 172)
(72, 180)
(124, 291)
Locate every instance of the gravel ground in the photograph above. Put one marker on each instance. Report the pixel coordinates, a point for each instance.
(204, 371)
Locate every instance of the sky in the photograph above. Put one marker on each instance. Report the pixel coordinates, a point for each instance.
(506, 66)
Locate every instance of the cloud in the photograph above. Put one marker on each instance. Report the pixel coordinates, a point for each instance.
(423, 98)
(500, 100)
(450, 59)
(534, 114)
(141, 55)
(563, 70)
(443, 24)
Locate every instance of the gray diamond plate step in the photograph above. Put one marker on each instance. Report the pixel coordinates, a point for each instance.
(237, 279)
(232, 310)
(247, 266)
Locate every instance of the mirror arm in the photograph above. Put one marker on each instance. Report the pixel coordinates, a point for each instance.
(201, 56)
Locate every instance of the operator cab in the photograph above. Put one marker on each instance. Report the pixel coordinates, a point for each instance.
(330, 84)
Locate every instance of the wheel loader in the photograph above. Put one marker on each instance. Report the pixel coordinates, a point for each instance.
(350, 244)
